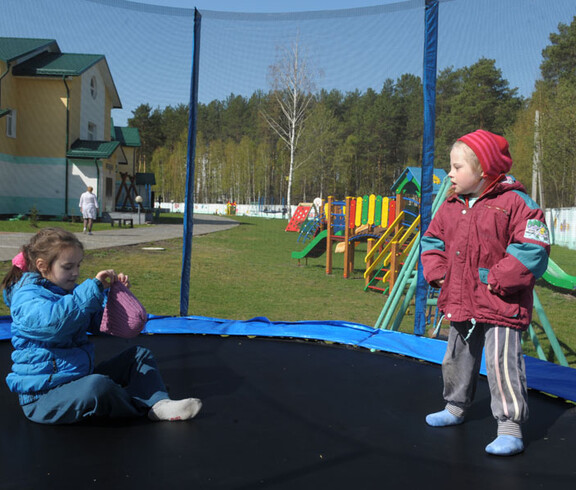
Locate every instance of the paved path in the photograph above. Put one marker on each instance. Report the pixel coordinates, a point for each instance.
(10, 243)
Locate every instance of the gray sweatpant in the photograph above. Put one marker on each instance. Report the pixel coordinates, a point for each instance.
(504, 368)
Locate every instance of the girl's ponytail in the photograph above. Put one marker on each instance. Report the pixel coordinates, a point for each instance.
(19, 267)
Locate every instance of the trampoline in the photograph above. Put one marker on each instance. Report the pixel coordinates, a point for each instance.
(287, 413)
(317, 405)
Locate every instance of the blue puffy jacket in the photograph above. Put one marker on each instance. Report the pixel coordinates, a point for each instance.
(49, 332)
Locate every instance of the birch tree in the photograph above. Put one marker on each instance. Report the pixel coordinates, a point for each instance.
(292, 91)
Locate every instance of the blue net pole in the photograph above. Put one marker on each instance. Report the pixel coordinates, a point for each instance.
(189, 198)
(429, 84)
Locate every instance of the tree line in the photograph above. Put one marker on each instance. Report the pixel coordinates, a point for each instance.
(356, 143)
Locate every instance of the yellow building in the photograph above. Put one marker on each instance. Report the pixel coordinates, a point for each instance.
(56, 131)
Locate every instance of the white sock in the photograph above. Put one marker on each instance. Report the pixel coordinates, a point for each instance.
(175, 409)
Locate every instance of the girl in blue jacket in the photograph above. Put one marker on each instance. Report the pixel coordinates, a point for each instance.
(53, 369)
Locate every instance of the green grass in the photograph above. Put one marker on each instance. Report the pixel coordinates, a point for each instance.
(248, 271)
(240, 273)
(26, 226)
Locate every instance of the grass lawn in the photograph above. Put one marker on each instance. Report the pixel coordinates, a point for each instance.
(248, 271)
(24, 226)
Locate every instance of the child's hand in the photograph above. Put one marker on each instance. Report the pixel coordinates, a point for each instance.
(437, 284)
(107, 277)
(123, 278)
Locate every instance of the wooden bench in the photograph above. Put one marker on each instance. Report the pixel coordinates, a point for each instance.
(122, 221)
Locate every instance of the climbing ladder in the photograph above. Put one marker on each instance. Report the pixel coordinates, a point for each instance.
(405, 284)
(387, 255)
(310, 228)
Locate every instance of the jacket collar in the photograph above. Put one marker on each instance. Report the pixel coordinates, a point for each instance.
(499, 186)
(32, 278)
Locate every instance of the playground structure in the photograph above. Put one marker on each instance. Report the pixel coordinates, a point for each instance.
(299, 217)
(315, 248)
(385, 256)
(555, 276)
(341, 225)
(306, 219)
(377, 220)
(388, 225)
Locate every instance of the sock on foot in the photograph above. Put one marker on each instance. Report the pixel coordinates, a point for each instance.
(173, 410)
(505, 445)
(443, 419)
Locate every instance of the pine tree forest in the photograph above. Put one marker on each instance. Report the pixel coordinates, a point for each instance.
(358, 143)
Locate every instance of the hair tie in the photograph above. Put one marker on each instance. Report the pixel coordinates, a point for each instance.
(20, 262)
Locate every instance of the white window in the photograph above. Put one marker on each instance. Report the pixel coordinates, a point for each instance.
(11, 124)
(91, 131)
(93, 88)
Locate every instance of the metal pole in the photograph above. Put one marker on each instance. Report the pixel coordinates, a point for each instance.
(189, 201)
(429, 86)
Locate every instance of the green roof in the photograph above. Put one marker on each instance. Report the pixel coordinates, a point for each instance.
(12, 48)
(410, 181)
(57, 64)
(42, 58)
(127, 136)
(92, 149)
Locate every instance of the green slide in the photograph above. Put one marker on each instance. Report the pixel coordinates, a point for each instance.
(315, 248)
(557, 277)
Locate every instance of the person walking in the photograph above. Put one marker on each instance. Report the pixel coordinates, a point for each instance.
(89, 209)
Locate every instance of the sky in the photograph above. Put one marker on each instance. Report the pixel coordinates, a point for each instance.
(351, 44)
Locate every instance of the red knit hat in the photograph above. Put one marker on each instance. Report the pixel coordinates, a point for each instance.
(491, 150)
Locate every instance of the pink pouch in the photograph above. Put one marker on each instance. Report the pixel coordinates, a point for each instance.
(124, 316)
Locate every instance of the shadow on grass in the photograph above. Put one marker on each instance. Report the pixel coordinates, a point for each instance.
(178, 219)
(240, 221)
(546, 346)
(169, 220)
(569, 353)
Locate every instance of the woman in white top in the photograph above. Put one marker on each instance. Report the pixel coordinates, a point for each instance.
(88, 208)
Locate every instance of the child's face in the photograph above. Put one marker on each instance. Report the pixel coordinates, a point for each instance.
(65, 269)
(465, 178)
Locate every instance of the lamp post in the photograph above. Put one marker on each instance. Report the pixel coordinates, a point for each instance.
(139, 200)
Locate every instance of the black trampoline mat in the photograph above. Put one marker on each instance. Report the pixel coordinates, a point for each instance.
(286, 415)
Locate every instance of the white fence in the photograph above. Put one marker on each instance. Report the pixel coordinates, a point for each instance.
(255, 210)
(562, 225)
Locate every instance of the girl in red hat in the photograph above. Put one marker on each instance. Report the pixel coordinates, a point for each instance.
(485, 248)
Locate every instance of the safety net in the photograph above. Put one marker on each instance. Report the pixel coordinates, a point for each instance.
(295, 107)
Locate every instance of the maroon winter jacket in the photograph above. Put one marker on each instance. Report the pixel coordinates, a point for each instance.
(502, 240)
